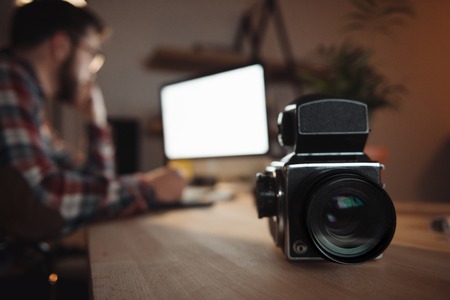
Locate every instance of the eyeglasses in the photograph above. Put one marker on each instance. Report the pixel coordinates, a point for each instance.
(98, 57)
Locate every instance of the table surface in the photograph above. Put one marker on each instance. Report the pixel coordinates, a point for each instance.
(226, 252)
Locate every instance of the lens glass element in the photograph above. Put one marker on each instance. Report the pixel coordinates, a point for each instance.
(344, 218)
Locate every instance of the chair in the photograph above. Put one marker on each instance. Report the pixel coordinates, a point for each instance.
(21, 216)
(25, 226)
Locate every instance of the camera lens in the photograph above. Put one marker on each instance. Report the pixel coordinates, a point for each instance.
(350, 218)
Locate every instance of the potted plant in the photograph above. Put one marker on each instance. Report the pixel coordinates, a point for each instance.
(346, 70)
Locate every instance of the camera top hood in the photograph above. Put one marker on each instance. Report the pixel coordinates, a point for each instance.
(322, 125)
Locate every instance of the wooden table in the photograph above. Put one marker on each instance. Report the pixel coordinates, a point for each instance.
(226, 252)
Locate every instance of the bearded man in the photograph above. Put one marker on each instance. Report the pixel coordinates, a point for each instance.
(53, 55)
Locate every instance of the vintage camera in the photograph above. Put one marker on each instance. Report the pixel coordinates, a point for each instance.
(326, 198)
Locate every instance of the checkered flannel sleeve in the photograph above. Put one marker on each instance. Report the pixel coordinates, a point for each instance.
(80, 193)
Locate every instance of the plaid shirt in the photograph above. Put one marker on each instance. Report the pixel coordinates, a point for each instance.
(80, 192)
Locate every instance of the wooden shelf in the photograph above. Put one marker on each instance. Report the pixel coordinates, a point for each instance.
(203, 60)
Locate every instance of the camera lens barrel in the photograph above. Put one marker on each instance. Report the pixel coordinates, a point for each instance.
(350, 218)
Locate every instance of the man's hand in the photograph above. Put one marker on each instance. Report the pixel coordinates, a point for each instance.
(91, 104)
(167, 184)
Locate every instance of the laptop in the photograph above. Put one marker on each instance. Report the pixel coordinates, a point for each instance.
(217, 115)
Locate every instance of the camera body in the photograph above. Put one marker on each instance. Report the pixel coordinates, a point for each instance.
(326, 199)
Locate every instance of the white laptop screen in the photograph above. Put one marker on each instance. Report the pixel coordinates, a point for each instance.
(218, 115)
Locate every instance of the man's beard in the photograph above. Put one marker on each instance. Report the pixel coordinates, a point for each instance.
(68, 83)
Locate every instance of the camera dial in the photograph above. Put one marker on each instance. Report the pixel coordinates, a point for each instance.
(266, 195)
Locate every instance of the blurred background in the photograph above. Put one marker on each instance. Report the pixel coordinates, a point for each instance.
(408, 48)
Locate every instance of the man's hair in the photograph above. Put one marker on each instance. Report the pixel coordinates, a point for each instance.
(37, 21)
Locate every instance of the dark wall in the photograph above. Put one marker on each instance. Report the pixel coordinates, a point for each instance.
(126, 139)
